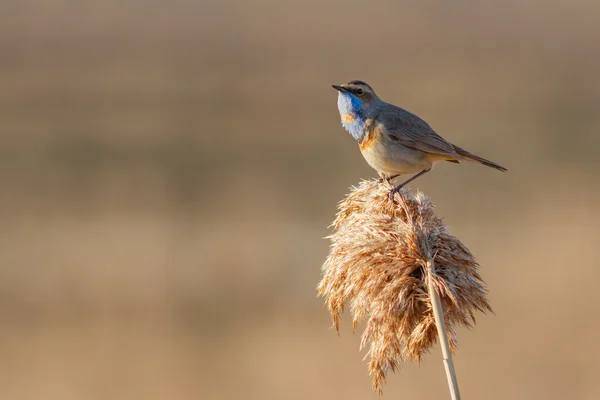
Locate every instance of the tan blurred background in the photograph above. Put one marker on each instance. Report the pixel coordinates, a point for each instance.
(169, 170)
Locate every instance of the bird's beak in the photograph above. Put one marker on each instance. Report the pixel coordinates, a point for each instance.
(339, 88)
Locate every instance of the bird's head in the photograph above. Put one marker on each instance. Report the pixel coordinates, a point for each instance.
(357, 101)
(355, 97)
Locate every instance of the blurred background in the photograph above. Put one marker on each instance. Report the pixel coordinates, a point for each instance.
(169, 171)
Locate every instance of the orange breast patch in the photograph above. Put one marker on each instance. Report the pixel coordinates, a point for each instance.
(349, 117)
(366, 142)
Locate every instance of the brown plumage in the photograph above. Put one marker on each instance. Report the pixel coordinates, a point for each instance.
(393, 140)
(481, 160)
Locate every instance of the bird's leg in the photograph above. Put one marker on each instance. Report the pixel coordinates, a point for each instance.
(388, 178)
(400, 186)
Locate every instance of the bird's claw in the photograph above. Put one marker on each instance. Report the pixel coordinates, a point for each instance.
(392, 194)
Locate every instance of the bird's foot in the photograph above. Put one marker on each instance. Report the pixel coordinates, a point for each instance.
(392, 193)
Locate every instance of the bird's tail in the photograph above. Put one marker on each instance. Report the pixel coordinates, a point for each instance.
(483, 161)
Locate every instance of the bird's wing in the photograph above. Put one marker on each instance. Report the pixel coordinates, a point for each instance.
(411, 131)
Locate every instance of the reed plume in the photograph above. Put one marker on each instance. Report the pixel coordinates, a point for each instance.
(383, 256)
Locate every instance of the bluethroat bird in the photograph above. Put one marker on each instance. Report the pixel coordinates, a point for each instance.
(392, 140)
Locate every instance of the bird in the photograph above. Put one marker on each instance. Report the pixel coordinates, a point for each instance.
(393, 140)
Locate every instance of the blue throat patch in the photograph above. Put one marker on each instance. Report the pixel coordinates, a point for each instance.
(352, 107)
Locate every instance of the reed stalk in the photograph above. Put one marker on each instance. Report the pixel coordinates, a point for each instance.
(440, 324)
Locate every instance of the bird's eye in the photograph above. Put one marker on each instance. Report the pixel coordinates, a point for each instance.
(360, 92)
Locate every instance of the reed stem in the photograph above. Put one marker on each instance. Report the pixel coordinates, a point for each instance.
(438, 314)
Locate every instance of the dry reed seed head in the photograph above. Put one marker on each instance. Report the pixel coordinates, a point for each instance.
(377, 266)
